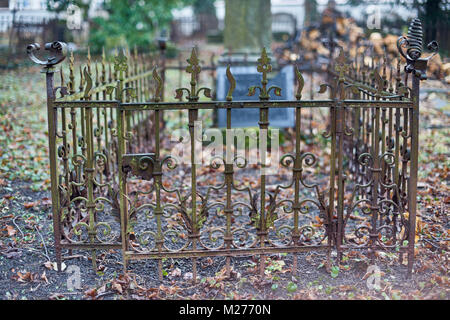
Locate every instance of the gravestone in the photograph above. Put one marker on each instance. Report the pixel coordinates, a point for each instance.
(247, 76)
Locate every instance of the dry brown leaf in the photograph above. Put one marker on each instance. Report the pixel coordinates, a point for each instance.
(11, 231)
(116, 286)
(29, 205)
(91, 293)
(48, 265)
(44, 277)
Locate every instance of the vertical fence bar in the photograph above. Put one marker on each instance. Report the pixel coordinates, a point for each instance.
(297, 171)
(339, 124)
(82, 142)
(263, 135)
(158, 179)
(119, 68)
(229, 183)
(193, 115)
(65, 153)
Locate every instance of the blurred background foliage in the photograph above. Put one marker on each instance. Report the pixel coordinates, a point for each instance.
(128, 22)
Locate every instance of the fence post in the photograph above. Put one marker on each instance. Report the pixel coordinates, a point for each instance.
(420, 65)
(59, 51)
(417, 66)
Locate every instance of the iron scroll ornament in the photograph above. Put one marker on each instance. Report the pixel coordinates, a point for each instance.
(57, 49)
(413, 44)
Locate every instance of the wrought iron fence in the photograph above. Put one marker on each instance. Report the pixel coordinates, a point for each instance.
(115, 184)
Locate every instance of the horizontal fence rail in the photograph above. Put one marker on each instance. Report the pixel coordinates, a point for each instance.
(116, 184)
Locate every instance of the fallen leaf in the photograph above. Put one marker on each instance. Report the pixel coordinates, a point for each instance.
(56, 296)
(175, 272)
(29, 205)
(91, 293)
(188, 276)
(24, 277)
(116, 286)
(55, 266)
(11, 231)
(44, 277)
(12, 252)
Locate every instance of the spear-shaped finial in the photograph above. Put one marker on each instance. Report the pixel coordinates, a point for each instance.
(71, 74)
(81, 86)
(103, 78)
(89, 59)
(97, 75)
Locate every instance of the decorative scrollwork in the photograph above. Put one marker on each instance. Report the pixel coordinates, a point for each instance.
(413, 44)
(232, 81)
(301, 83)
(141, 165)
(57, 49)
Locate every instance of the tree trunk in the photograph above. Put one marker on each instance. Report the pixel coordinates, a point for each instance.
(248, 25)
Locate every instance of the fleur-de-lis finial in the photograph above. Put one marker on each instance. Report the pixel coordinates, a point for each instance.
(194, 69)
(342, 65)
(193, 65)
(120, 62)
(380, 82)
(264, 67)
(121, 66)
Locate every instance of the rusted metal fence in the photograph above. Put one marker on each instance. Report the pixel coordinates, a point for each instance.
(115, 184)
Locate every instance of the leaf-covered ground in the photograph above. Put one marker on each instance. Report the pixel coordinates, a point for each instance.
(26, 252)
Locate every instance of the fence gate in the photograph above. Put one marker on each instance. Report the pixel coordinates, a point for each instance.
(116, 182)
